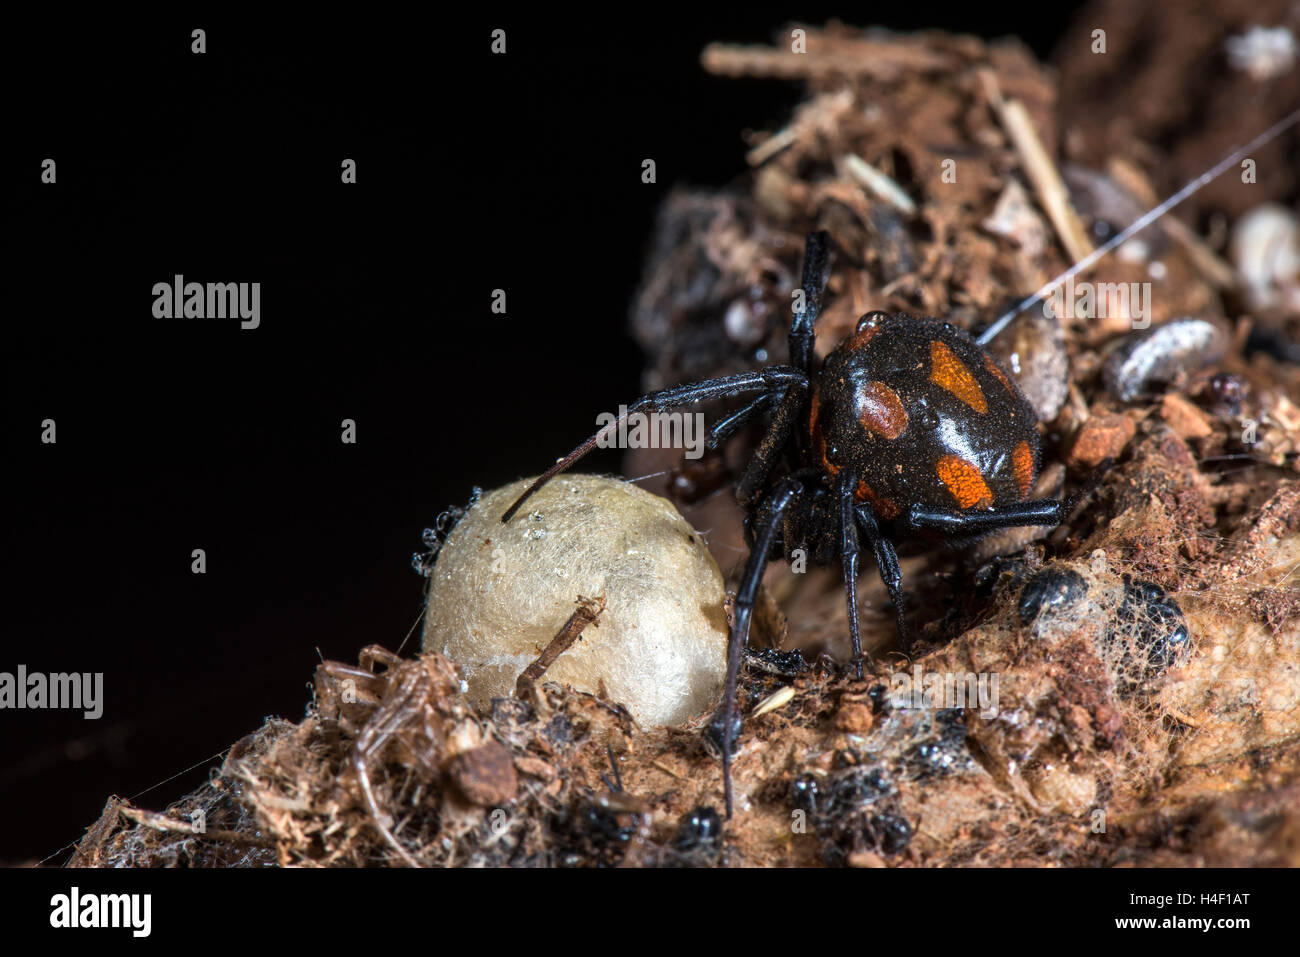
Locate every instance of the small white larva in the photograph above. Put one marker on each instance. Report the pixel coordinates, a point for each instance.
(500, 592)
(1265, 248)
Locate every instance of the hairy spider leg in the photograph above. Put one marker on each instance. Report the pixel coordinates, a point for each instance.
(1047, 511)
(803, 328)
(729, 425)
(726, 723)
(770, 379)
(852, 515)
(1015, 515)
(803, 325)
(849, 559)
(773, 444)
(886, 564)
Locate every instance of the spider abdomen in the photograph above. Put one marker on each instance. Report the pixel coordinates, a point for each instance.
(923, 416)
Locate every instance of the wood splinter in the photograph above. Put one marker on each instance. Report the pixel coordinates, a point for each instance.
(588, 611)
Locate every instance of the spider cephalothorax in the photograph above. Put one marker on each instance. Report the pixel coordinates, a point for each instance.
(909, 428)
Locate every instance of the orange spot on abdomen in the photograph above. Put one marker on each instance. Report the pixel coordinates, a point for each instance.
(1022, 463)
(950, 373)
(881, 411)
(964, 481)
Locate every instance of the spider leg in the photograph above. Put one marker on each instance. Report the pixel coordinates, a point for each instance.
(726, 723)
(886, 562)
(725, 428)
(849, 556)
(816, 263)
(1046, 511)
(770, 379)
(771, 446)
(803, 327)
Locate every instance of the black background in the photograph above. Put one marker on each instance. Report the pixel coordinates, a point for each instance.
(474, 172)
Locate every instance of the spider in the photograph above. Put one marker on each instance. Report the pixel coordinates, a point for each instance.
(908, 428)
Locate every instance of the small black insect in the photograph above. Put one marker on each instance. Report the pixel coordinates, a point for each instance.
(700, 829)
(1157, 622)
(908, 429)
(1052, 589)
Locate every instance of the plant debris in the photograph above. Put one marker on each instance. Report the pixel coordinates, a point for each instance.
(1140, 702)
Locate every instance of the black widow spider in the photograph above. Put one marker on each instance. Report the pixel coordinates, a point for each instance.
(908, 428)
